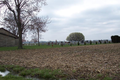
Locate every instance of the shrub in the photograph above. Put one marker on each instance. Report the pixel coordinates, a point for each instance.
(115, 39)
(90, 42)
(109, 42)
(70, 44)
(104, 42)
(84, 43)
(96, 42)
(78, 43)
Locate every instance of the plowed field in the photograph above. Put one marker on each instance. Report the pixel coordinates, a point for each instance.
(78, 61)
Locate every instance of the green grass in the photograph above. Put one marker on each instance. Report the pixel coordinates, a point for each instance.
(40, 47)
(99, 75)
(13, 68)
(81, 79)
(119, 65)
(46, 74)
(43, 46)
(18, 69)
(2, 69)
(11, 77)
(73, 71)
(107, 78)
(42, 74)
(7, 48)
(25, 72)
(91, 79)
(9, 66)
(31, 47)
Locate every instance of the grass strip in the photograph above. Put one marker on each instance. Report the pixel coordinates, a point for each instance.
(43, 46)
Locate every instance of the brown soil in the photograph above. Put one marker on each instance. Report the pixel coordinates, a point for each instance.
(79, 61)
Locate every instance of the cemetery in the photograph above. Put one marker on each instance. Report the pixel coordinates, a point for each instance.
(50, 43)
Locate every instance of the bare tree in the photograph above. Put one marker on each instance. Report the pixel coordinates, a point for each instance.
(24, 38)
(10, 24)
(22, 10)
(39, 25)
(34, 39)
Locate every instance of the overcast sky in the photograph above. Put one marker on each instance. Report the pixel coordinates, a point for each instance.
(96, 19)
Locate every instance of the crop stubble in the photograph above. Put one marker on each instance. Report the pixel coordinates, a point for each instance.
(83, 60)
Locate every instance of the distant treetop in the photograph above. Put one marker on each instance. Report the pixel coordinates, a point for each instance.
(76, 36)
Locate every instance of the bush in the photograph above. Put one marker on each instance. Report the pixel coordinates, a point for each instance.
(70, 44)
(109, 42)
(90, 42)
(115, 39)
(96, 42)
(84, 43)
(78, 43)
(104, 42)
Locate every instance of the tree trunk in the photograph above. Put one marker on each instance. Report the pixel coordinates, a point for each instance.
(38, 39)
(20, 39)
(19, 27)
